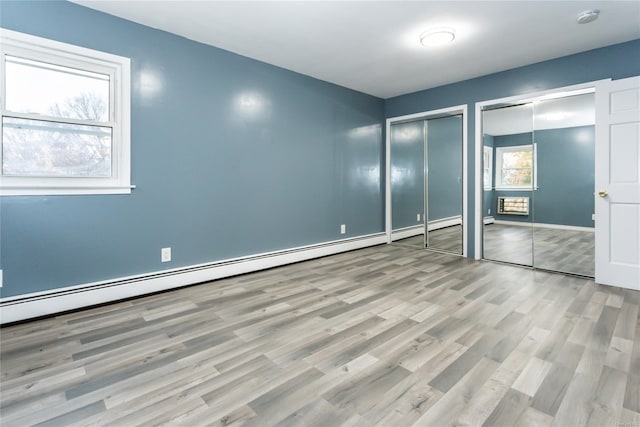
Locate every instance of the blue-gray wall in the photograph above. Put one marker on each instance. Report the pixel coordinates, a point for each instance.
(214, 181)
(444, 160)
(488, 208)
(566, 179)
(444, 148)
(616, 62)
(566, 176)
(407, 174)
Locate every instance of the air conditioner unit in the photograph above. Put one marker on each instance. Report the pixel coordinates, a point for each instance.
(513, 206)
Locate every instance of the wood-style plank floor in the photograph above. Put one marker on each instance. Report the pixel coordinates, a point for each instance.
(568, 251)
(447, 239)
(383, 336)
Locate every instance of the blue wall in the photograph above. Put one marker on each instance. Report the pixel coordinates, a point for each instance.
(407, 174)
(444, 148)
(444, 160)
(489, 209)
(214, 180)
(616, 62)
(566, 177)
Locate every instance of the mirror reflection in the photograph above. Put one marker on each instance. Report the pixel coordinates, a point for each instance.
(563, 205)
(444, 183)
(426, 183)
(407, 183)
(509, 177)
(538, 160)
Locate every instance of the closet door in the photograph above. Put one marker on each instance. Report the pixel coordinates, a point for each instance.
(509, 179)
(407, 182)
(444, 183)
(563, 201)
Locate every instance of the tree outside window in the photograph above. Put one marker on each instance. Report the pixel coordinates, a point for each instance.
(515, 167)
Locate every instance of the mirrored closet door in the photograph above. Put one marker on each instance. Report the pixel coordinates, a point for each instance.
(563, 202)
(444, 183)
(407, 182)
(508, 181)
(538, 161)
(426, 182)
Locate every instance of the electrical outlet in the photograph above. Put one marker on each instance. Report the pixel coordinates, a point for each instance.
(488, 211)
(418, 217)
(165, 255)
(593, 217)
(343, 228)
(0, 278)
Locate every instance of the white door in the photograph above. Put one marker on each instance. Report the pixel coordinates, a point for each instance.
(617, 180)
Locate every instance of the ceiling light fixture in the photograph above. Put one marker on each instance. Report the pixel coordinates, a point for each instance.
(437, 36)
(587, 16)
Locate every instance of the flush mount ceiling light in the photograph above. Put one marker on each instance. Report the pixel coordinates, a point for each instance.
(587, 16)
(437, 36)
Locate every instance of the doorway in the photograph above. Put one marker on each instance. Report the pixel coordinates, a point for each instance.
(616, 192)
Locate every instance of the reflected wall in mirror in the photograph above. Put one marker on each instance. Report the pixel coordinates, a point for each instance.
(430, 194)
(538, 161)
(407, 182)
(509, 175)
(444, 183)
(563, 204)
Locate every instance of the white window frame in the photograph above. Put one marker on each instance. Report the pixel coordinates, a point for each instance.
(26, 46)
(498, 172)
(488, 166)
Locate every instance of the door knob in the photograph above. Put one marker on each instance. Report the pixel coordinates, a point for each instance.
(603, 193)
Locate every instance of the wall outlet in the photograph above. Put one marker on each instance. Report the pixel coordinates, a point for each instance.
(418, 217)
(343, 228)
(0, 278)
(593, 217)
(488, 211)
(165, 255)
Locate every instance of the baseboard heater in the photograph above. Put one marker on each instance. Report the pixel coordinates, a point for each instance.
(513, 206)
(45, 303)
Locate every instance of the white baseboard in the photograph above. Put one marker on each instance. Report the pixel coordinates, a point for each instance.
(28, 306)
(403, 233)
(445, 222)
(543, 225)
(415, 230)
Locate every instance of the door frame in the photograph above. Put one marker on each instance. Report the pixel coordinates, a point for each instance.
(425, 115)
(532, 96)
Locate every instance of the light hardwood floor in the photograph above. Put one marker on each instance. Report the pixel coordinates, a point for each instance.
(447, 239)
(568, 251)
(384, 336)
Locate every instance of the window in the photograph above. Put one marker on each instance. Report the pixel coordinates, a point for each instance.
(488, 168)
(515, 167)
(65, 118)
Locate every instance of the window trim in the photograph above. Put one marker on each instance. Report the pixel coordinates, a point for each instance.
(499, 185)
(22, 45)
(489, 168)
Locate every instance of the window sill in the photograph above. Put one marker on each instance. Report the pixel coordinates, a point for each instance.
(515, 188)
(65, 191)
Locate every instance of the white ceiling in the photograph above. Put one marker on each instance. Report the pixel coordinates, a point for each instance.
(373, 46)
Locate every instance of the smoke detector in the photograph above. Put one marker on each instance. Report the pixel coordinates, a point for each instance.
(587, 16)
